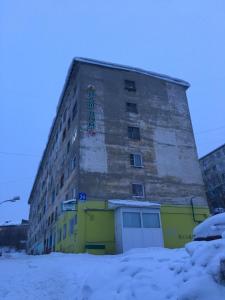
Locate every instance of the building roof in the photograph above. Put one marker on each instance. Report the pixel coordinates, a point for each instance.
(211, 152)
(131, 69)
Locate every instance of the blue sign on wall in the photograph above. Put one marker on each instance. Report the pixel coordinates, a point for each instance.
(82, 196)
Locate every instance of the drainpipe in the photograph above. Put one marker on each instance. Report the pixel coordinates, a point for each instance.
(193, 213)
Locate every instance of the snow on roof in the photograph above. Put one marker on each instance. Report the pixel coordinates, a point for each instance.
(214, 225)
(128, 68)
(132, 203)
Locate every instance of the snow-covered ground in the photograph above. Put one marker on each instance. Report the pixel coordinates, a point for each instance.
(152, 273)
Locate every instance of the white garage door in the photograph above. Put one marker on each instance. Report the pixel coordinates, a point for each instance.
(141, 228)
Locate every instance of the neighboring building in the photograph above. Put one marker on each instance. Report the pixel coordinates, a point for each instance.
(14, 236)
(213, 172)
(119, 133)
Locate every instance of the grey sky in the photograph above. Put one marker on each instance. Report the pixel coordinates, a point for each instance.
(38, 39)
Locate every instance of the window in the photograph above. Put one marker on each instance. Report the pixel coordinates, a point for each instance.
(136, 160)
(131, 219)
(137, 190)
(64, 134)
(60, 126)
(73, 163)
(134, 133)
(68, 124)
(64, 115)
(56, 213)
(74, 112)
(68, 147)
(62, 181)
(73, 222)
(132, 107)
(53, 196)
(129, 85)
(150, 220)
(64, 231)
(52, 217)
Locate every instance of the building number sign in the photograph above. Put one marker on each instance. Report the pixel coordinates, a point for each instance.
(91, 109)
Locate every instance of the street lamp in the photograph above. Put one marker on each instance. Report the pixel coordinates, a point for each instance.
(14, 199)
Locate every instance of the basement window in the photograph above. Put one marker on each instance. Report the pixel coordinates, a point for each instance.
(134, 133)
(138, 190)
(129, 85)
(136, 160)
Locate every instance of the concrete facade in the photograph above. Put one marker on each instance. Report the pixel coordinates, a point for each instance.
(95, 134)
(213, 172)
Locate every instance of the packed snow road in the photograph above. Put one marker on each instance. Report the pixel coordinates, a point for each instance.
(152, 273)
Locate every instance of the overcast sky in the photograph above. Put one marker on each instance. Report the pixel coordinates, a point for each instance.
(38, 39)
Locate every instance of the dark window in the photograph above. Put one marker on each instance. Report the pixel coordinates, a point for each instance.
(150, 220)
(57, 189)
(131, 220)
(68, 124)
(73, 164)
(130, 85)
(64, 134)
(136, 160)
(53, 196)
(74, 112)
(52, 217)
(73, 222)
(64, 231)
(68, 147)
(134, 133)
(64, 116)
(56, 213)
(137, 190)
(61, 181)
(132, 107)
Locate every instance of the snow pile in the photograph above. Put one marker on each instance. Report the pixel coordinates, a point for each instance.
(212, 226)
(200, 275)
(150, 273)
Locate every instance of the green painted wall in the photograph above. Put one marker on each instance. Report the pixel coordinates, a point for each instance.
(94, 231)
(68, 244)
(178, 223)
(95, 227)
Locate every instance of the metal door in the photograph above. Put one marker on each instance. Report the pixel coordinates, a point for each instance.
(141, 227)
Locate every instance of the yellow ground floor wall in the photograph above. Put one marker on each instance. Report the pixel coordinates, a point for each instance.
(178, 223)
(94, 231)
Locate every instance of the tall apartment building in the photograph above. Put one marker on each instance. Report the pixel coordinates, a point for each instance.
(213, 172)
(120, 133)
